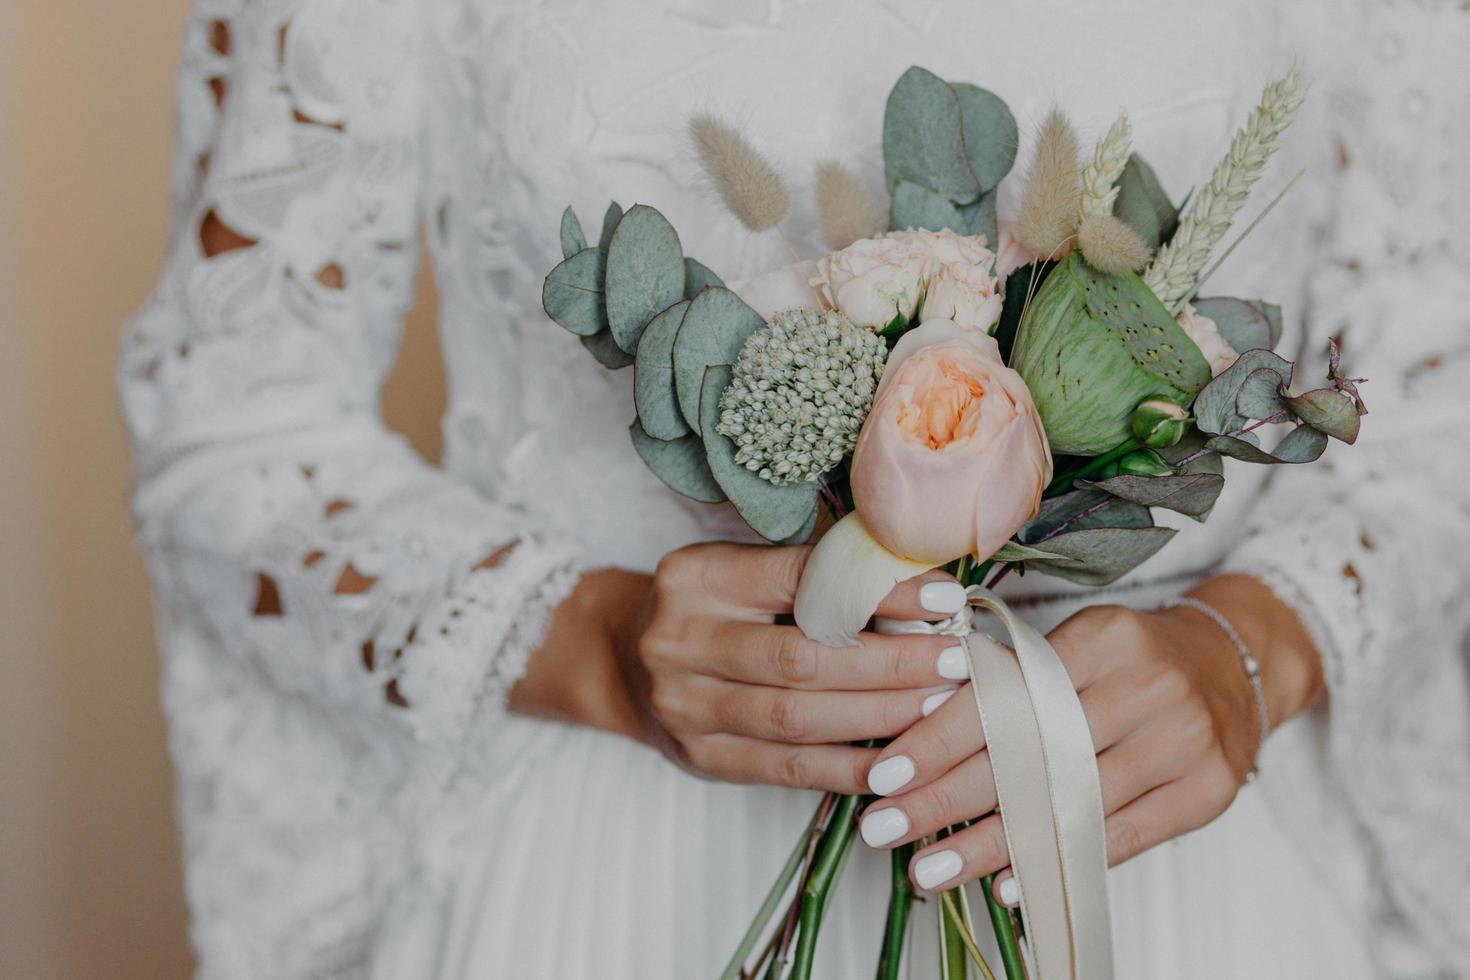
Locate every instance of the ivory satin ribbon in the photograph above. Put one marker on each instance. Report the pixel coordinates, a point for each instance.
(1046, 780)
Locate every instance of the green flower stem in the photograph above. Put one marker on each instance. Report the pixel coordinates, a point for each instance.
(835, 844)
(1063, 481)
(900, 903)
(736, 967)
(1005, 932)
(952, 949)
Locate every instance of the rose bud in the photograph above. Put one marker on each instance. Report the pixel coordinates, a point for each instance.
(1159, 423)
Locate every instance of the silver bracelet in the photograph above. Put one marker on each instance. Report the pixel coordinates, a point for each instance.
(1247, 660)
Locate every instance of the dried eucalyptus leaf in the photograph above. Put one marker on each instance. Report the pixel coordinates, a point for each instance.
(1215, 407)
(610, 220)
(1079, 510)
(1143, 205)
(918, 207)
(922, 138)
(697, 275)
(1302, 445)
(680, 463)
(1260, 395)
(1244, 324)
(573, 240)
(1191, 494)
(714, 329)
(573, 293)
(775, 513)
(989, 132)
(602, 346)
(1101, 556)
(1329, 411)
(1014, 551)
(653, 382)
(645, 273)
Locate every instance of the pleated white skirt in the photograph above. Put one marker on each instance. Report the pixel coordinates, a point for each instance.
(596, 858)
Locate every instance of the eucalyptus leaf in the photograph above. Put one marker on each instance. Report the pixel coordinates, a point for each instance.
(653, 382)
(923, 139)
(1101, 556)
(645, 273)
(1142, 204)
(1215, 408)
(1245, 325)
(714, 329)
(602, 346)
(573, 293)
(990, 134)
(775, 513)
(1079, 510)
(1014, 551)
(1302, 445)
(680, 463)
(1260, 395)
(697, 275)
(1191, 494)
(801, 536)
(610, 219)
(573, 240)
(1329, 411)
(918, 207)
(980, 218)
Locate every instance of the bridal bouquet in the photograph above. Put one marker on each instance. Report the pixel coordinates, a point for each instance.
(951, 389)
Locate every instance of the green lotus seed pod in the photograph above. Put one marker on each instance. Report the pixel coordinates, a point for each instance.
(1159, 423)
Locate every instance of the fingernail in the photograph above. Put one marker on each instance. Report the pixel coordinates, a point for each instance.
(891, 775)
(954, 665)
(932, 702)
(1008, 891)
(942, 597)
(884, 826)
(933, 870)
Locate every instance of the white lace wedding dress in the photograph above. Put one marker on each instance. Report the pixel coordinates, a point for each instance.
(341, 622)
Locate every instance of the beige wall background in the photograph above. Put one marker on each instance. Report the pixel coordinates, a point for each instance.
(90, 880)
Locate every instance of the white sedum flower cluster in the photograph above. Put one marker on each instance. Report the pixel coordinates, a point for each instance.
(799, 393)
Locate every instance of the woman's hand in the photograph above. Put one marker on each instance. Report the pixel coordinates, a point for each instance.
(694, 661)
(1172, 716)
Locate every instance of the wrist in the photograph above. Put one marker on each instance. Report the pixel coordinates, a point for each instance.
(1291, 668)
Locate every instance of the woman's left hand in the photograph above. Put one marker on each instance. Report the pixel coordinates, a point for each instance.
(1172, 715)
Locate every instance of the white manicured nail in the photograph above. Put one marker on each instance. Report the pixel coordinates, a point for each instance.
(933, 870)
(942, 597)
(1008, 890)
(884, 826)
(932, 702)
(891, 775)
(954, 665)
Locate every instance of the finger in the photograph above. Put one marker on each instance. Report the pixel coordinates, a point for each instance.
(961, 857)
(1159, 815)
(931, 596)
(735, 759)
(931, 748)
(965, 792)
(808, 717)
(740, 579)
(781, 656)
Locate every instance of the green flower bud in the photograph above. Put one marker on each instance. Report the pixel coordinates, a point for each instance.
(1143, 462)
(1159, 423)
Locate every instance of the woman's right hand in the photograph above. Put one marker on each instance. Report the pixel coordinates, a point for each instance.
(711, 677)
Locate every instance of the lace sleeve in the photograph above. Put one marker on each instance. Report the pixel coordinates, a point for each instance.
(282, 522)
(1370, 544)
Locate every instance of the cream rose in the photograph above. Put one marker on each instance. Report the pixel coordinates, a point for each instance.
(875, 279)
(1206, 336)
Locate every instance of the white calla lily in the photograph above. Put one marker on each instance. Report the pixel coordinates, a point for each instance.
(845, 578)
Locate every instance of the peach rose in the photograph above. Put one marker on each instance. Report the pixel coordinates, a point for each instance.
(952, 459)
(875, 279)
(1206, 336)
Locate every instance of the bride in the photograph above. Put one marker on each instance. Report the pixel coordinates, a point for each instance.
(453, 723)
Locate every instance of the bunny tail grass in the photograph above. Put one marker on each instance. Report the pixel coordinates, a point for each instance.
(846, 210)
(746, 181)
(1047, 219)
(1100, 177)
(1110, 246)
(1175, 271)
